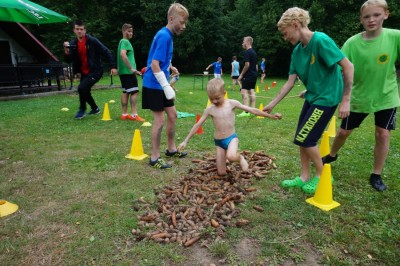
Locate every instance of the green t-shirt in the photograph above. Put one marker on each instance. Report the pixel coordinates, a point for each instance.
(375, 83)
(125, 44)
(316, 65)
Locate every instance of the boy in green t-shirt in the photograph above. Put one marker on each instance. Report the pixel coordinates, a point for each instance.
(127, 73)
(316, 60)
(374, 53)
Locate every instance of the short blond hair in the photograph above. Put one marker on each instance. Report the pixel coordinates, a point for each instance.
(178, 9)
(126, 26)
(249, 39)
(215, 85)
(294, 14)
(378, 3)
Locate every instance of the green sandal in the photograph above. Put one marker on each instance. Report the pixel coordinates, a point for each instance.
(311, 185)
(296, 182)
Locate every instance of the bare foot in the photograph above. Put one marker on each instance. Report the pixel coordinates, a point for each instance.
(243, 163)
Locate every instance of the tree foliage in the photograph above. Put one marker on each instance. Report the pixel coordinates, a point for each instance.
(215, 27)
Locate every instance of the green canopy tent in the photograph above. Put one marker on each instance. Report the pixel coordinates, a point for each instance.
(25, 11)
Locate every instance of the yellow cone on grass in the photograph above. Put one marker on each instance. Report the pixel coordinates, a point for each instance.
(106, 113)
(332, 127)
(137, 152)
(208, 103)
(7, 208)
(226, 95)
(261, 108)
(324, 146)
(257, 89)
(323, 197)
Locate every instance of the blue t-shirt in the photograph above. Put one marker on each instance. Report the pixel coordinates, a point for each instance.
(262, 65)
(235, 71)
(217, 67)
(161, 49)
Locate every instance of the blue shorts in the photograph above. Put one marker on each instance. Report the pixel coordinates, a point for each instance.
(312, 123)
(224, 143)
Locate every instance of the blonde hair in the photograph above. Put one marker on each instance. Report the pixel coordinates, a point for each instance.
(377, 3)
(178, 9)
(126, 26)
(215, 85)
(248, 39)
(294, 14)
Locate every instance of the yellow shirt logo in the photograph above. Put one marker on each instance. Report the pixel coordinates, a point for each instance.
(312, 59)
(383, 58)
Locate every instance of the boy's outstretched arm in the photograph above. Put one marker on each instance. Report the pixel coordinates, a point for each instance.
(256, 111)
(194, 130)
(286, 88)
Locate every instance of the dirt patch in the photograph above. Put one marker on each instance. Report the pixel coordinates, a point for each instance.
(245, 252)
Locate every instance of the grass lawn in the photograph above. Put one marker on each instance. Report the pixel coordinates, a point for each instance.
(75, 189)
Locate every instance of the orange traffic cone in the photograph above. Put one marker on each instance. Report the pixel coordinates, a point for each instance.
(266, 87)
(324, 146)
(323, 197)
(200, 130)
(137, 147)
(261, 108)
(273, 84)
(106, 113)
(332, 127)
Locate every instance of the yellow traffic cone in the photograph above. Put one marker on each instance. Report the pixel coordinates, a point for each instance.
(324, 146)
(106, 113)
(137, 147)
(7, 208)
(323, 197)
(226, 95)
(208, 103)
(261, 108)
(332, 127)
(257, 89)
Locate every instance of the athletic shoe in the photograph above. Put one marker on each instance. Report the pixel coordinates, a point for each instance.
(94, 111)
(311, 185)
(124, 117)
(178, 154)
(160, 164)
(377, 183)
(243, 114)
(138, 118)
(80, 114)
(295, 182)
(328, 159)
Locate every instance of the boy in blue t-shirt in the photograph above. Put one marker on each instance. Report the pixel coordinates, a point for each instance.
(217, 68)
(158, 95)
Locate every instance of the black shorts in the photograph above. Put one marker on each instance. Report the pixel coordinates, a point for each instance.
(155, 100)
(248, 85)
(312, 123)
(129, 83)
(384, 119)
(235, 77)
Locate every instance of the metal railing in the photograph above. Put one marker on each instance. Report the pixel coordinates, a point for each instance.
(23, 78)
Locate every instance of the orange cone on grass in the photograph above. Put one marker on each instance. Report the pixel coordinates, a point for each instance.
(266, 87)
(323, 197)
(137, 147)
(273, 84)
(200, 130)
(332, 127)
(106, 113)
(324, 146)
